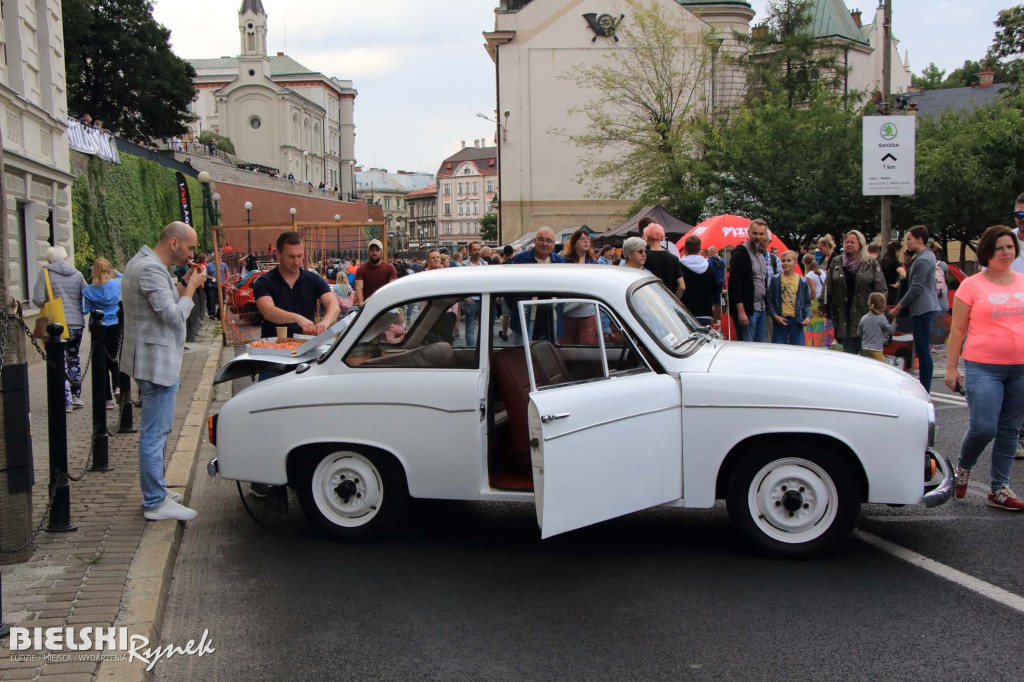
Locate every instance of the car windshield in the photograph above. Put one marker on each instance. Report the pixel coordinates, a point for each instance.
(663, 315)
(349, 318)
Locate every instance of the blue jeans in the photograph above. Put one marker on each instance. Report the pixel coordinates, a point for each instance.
(791, 333)
(757, 330)
(154, 427)
(995, 398)
(471, 313)
(922, 330)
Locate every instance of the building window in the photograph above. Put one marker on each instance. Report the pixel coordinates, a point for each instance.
(490, 185)
(255, 122)
(460, 188)
(447, 189)
(447, 209)
(474, 187)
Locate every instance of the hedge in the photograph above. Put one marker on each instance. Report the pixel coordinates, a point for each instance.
(116, 208)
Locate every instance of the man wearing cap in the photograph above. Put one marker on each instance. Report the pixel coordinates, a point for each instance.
(374, 273)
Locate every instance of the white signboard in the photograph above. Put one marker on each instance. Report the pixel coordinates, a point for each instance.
(89, 140)
(889, 155)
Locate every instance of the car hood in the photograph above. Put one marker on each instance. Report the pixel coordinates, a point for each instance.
(793, 362)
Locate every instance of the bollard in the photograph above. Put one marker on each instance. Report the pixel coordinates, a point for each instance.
(57, 429)
(100, 447)
(125, 382)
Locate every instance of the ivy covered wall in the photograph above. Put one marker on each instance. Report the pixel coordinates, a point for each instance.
(116, 208)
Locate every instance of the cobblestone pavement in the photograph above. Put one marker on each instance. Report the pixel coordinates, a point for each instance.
(79, 578)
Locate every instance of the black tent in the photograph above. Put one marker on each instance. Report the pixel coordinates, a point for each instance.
(674, 228)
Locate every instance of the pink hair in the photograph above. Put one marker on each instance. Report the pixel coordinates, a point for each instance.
(654, 231)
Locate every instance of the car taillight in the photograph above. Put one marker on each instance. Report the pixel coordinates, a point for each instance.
(211, 428)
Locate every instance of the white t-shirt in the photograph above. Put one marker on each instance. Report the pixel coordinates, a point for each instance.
(1018, 264)
(819, 283)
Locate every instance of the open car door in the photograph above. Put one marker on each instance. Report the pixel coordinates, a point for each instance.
(601, 446)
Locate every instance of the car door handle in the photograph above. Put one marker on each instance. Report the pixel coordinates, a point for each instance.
(548, 418)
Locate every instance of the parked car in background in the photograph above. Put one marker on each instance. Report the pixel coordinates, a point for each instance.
(647, 408)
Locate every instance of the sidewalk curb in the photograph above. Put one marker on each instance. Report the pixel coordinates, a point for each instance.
(145, 594)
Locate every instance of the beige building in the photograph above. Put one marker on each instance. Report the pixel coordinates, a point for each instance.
(389, 190)
(33, 99)
(277, 112)
(467, 186)
(536, 46)
(422, 224)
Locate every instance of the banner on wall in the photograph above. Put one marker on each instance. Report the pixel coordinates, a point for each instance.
(89, 140)
(185, 204)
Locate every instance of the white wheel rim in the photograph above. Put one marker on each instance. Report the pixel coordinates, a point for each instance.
(347, 489)
(793, 500)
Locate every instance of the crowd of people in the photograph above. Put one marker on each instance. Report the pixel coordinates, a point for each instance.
(861, 288)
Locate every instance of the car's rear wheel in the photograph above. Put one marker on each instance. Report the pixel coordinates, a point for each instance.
(351, 495)
(794, 505)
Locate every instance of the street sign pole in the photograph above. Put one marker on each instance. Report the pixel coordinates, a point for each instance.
(885, 233)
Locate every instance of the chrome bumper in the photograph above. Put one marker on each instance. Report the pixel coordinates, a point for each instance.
(943, 492)
(213, 468)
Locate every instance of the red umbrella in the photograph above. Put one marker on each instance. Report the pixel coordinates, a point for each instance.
(726, 231)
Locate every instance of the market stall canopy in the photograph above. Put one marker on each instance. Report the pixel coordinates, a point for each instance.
(726, 231)
(524, 241)
(674, 227)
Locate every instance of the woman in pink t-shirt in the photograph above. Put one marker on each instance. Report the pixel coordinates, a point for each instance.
(989, 309)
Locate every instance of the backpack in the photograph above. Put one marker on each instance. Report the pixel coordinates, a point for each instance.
(941, 287)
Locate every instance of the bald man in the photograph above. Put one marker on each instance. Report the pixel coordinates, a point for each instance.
(155, 310)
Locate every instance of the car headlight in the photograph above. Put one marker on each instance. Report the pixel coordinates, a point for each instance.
(931, 425)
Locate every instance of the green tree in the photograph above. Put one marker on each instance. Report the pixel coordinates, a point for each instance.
(222, 143)
(970, 168)
(489, 227)
(1009, 38)
(785, 57)
(798, 168)
(649, 117)
(120, 69)
(930, 79)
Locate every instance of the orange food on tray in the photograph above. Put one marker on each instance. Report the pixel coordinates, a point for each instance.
(290, 344)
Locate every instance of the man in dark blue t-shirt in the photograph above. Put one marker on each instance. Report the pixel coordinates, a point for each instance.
(288, 294)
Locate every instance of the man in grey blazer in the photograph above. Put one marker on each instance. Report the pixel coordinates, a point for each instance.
(155, 310)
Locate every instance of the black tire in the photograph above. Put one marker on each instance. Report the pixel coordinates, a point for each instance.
(376, 491)
(794, 504)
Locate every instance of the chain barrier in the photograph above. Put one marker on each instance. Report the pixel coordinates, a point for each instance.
(17, 317)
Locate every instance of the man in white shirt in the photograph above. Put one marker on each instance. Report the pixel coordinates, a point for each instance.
(1018, 264)
(471, 306)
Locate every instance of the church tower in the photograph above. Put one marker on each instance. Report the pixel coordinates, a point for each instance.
(253, 63)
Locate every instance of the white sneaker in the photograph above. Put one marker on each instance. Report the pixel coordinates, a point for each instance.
(174, 496)
(170, 510)
(1020, 450)
(77, 402)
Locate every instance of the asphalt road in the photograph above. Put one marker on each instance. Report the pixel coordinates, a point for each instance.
(469, 591)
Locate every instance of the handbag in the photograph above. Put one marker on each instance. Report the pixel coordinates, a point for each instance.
(52, 311)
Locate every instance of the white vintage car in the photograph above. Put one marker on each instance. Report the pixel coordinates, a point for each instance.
(613, 400)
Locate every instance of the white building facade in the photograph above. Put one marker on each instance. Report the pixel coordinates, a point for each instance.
(536, 46)
(33, 115)
(277, 112)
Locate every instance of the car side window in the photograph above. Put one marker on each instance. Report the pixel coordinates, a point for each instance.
(573, 340)
(420, 334)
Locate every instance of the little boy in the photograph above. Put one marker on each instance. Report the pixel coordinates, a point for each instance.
(789, 303)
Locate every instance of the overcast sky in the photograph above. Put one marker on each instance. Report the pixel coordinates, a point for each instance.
(423, 75)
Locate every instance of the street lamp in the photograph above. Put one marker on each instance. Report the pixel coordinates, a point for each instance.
(248, 221)
(292, 211)
(495, 121)
(351, 178)
(204, 182)
(216, 208)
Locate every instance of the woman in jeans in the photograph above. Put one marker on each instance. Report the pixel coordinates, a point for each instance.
(989, 308)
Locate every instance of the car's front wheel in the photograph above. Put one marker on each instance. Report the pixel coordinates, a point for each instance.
(794, 505)
(351, 495)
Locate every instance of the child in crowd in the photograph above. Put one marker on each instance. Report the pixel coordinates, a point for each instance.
(875, 328)
(789, 303)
